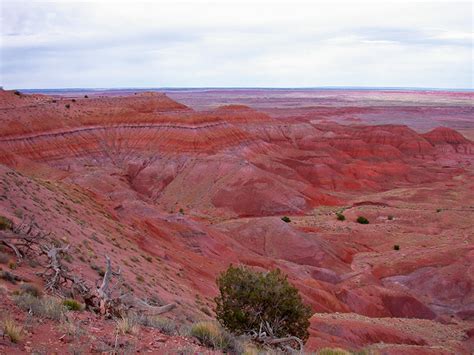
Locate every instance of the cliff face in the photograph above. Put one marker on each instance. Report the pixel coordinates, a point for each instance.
(135, 161)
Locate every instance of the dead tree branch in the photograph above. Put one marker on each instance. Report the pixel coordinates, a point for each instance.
(266, 336)
(23, 239)
(118, 303)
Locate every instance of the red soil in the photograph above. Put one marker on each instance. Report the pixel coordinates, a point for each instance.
(109, 174)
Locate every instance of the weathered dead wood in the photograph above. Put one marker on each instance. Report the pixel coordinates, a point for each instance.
(104, 292)
(266, 336)
(276, 341)
(110, 304)
(56, 273)
(23, 239)
(14, 248)
(142, 306)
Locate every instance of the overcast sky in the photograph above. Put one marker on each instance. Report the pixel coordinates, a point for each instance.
(235, 44)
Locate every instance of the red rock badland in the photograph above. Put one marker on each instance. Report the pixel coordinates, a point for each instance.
(176, 193)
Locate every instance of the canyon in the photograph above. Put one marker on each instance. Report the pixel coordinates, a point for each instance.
(175, 186)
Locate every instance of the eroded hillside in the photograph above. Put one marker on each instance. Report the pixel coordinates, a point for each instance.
(175, 195)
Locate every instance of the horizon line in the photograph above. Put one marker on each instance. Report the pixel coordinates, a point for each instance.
(329, 87)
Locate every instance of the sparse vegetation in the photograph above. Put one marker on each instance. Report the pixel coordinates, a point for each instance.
(396, 247)
(5, 223)
(286, 219)
(12, 330)
(253, 302)
(390, 218)
(438, 210)
(8, 276)
(31, 289)
(206, 311)
(71, 328)
(4, 258)
(362, 220)
(181, 211)
(165, 325)
(100, 271)
(67, 105)
(340, 217)
(148, 258)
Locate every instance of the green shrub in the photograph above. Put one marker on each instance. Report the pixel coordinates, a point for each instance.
(250, 299)
(286, 219)
(72, 305)
(340, 217)
(362, 220)
(396, 247)
(5, 223)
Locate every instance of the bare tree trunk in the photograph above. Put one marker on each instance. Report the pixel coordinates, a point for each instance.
(56, 266)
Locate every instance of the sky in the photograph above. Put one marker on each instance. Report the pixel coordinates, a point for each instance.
(99, 44)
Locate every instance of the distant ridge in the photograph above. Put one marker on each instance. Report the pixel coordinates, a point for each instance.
(329, 88)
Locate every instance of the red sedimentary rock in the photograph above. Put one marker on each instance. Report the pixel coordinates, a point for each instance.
(179, 194)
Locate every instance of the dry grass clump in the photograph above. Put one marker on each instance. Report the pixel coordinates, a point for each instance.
(71, 328)
(212, 335)
(31, 290)
(46, 307)
(12, 330)
(333, 351)
(127, 324)
(165, 325)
